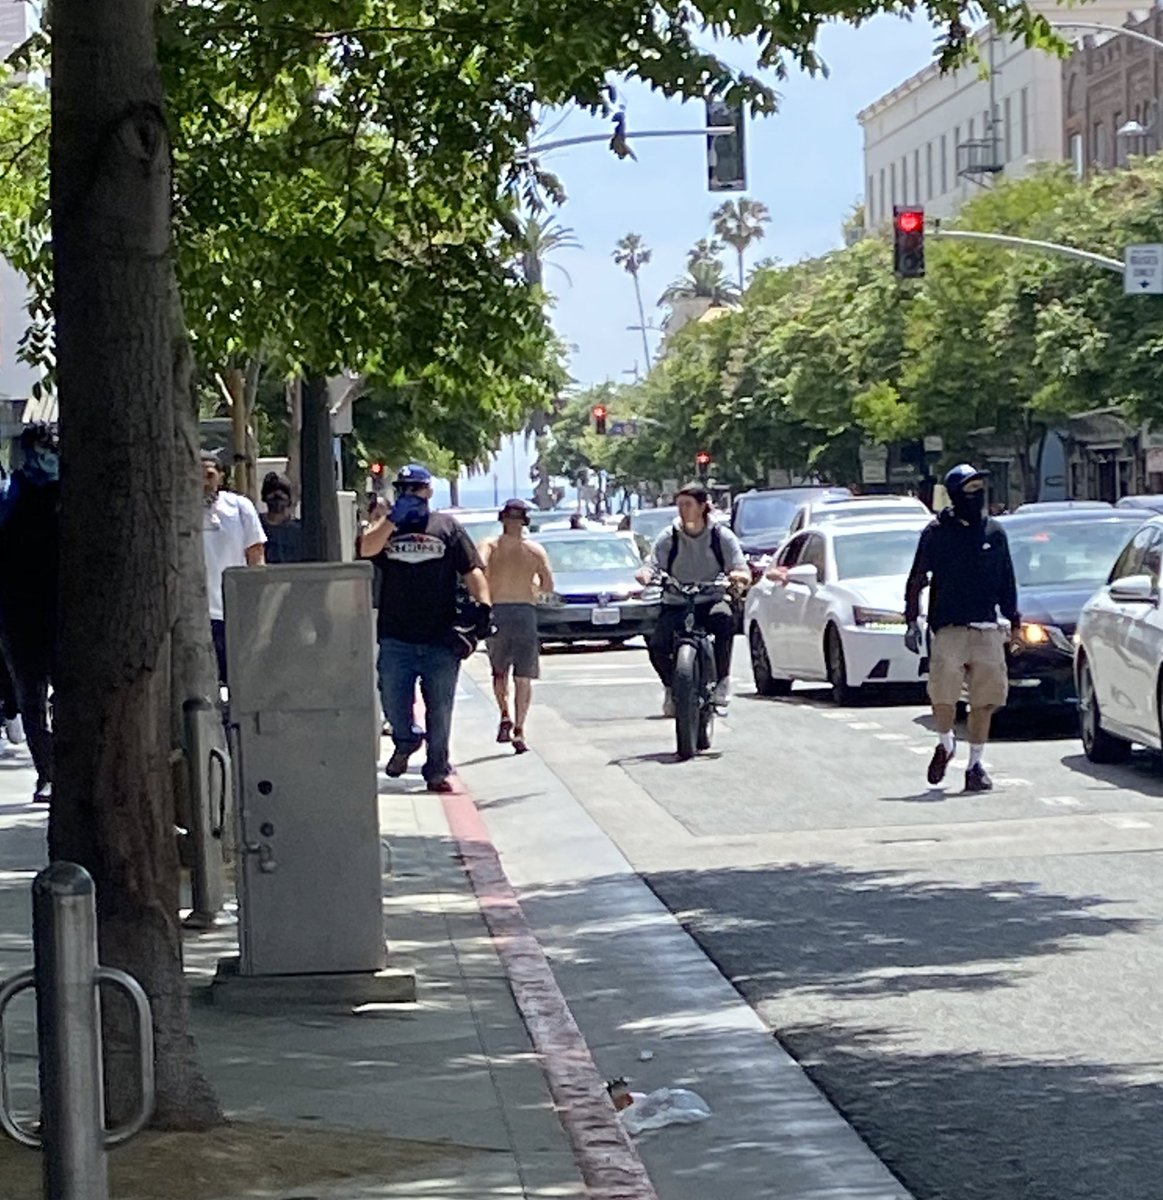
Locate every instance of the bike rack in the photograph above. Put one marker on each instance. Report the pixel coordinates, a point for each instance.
(67, 980)
(208, 764)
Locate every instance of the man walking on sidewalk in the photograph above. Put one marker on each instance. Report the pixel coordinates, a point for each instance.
(423, 556)
(517, 570)
(964, 557)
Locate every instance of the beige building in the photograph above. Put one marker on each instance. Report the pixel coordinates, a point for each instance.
(938, 138)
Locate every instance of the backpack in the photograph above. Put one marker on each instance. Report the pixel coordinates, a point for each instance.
(716, 549)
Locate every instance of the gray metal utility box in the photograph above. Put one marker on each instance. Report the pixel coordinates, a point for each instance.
(305, 729)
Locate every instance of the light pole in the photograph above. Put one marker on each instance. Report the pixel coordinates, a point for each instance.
(587, 138)
(1101, 27)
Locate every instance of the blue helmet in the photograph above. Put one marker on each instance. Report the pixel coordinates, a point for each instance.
(413, 475)
(960, 475)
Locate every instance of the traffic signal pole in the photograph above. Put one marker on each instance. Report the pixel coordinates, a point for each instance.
(1020, 243)
(634, 135)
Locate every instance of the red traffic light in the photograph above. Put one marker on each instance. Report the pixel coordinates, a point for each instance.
(702, 458)
(599, 411)
(377, 468)
(911, 220)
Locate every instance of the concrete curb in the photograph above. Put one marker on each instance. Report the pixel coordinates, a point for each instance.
(606, 1157)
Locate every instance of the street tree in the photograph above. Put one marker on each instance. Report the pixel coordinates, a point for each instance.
(739, 223)
(632, 254)
(540, 239)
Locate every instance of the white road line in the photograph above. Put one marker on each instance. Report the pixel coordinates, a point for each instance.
(892, 737)
(862, 726)
(924, 751)
(1011, 781)
(830, 716)
(644, 679)
(1126, 822)
(1060, 801)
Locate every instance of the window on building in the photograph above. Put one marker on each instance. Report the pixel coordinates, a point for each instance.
(1024, 127)
(917, 176)
(1099, 155)
(1009, 131)
(869, 204)
(892, 181)
(881, 205)
(904, 179)
(1077, 155)
(928, 170)
(944, 164)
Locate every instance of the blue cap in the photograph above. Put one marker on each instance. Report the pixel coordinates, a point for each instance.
(415, 473)
(962, 474)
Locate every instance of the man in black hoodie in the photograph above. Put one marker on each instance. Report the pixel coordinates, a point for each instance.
(964, 557)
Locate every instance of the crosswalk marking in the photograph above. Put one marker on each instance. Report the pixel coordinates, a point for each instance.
(1061, 801)
(862, 726)
(892, 737)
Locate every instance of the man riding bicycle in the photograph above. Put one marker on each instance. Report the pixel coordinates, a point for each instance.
(695, 549)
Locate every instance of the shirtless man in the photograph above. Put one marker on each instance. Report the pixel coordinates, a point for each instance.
(517, 571)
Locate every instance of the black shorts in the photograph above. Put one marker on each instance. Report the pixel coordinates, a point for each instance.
(515, 645)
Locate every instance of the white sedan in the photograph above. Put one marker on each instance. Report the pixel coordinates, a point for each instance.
(1118, 658)
(839, 616)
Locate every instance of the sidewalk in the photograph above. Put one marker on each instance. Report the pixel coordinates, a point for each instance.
(440, 1100)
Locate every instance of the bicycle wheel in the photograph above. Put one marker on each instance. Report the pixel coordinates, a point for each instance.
(686, 693)
(706, 697)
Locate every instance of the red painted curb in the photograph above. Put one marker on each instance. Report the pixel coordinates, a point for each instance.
(606, 1157)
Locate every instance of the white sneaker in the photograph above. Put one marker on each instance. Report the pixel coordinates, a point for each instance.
(14, 730)
(667, 703)
(722, 695)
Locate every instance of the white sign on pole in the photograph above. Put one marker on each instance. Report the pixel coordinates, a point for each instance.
(1143, 269)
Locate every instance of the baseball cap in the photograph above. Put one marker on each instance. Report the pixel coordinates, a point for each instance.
(413, 473)
(516, 505)
(961, 475)
(696, 489)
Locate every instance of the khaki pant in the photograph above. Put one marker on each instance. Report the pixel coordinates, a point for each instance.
(977, 656)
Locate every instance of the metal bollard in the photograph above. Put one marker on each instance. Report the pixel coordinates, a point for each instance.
(66, 979)
(209, 789)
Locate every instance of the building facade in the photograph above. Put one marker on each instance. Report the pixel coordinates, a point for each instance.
(1108, 83)
(938, 138)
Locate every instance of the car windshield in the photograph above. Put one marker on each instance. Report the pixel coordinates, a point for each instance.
(582, 554)
(1061, 553)
(652, 521)
(480, 526)
(865, 555)
(763, 514)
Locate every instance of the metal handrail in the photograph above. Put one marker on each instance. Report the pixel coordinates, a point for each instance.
(148, 1098)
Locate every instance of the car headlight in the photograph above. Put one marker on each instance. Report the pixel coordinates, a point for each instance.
(1034, 634)
(877, 618)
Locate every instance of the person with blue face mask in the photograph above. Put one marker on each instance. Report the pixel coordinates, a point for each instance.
(423, 556)
(29, 550)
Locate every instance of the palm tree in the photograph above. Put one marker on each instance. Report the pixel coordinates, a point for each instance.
(740, 223)
(704, 250)
(632, 254)
(538, 240)
(705, 279)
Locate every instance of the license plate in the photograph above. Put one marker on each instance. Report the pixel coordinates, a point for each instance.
(606, 616)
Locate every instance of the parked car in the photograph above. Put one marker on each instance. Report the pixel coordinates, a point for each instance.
(829, 507)
(1060, 557)
(598, 597)
(650, 522)
(839, 618)
(1051, 506)
(1148, 503)
(1118, 662)
(762, 520)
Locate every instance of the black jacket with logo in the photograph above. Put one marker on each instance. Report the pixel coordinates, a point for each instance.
(969, 572)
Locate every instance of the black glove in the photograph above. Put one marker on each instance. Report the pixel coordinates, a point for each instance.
(481, 617)
(913, 638)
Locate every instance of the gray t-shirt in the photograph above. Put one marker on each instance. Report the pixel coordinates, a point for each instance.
(695, 561)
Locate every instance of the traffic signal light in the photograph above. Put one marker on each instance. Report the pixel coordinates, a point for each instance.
(726, 160)
(377, 476)
(908, 242)
(702, 462)
(599, 418)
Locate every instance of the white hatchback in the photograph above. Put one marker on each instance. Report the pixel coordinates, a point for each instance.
(1118, 659)
(839, 618)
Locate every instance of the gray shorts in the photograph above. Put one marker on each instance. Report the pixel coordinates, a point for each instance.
(515, 645)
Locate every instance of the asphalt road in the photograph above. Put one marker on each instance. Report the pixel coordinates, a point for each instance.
(972, 979)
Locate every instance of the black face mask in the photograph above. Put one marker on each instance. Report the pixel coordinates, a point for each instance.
(277, 502)
(969, 506)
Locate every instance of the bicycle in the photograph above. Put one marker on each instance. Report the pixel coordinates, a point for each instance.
(695, 676)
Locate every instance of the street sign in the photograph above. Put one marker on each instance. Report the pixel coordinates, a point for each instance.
(1143, 269)
(934, 444)
(873, 472)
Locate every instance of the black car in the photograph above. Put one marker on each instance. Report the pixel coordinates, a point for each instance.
(1061, 558)
(762, 520)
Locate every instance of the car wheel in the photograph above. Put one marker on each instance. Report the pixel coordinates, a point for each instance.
(1098, 745)
(842, 691)
(766, 684)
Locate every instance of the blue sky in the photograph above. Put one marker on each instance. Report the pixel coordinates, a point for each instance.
(804, 163)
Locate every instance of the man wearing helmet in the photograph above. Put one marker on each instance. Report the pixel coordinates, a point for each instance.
(964, 557)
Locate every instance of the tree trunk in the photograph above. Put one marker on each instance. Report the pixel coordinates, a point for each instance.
(321, 537)
(454, 490)
(119, 345)
(250, 380)
(739, 251)
(295, 435)
(642, 322)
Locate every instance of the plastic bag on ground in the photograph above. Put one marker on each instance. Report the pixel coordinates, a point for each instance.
(666, 1106)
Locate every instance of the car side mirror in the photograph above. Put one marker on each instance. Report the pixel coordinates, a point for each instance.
(1134, 589)
(805, 574)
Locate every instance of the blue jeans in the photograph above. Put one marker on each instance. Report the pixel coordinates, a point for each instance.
(401, 664)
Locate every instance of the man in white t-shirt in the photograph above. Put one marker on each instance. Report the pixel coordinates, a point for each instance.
(232, 536)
